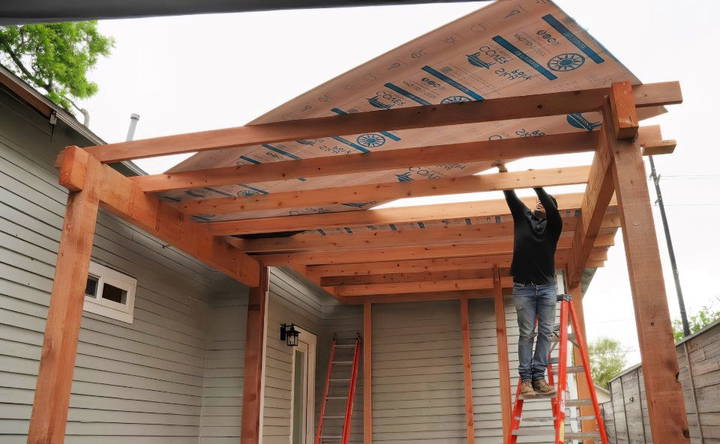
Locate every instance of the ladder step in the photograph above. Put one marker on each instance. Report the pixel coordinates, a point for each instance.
(343, 362)
(339, 379)
(552, 418)
(331, 437)
(580, 435)
(334, 417)
(576, 369)
(537, 396)
(577, 402)
(337, 397)
(344, 345)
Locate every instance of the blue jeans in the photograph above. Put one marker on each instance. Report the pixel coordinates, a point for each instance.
(534, 302)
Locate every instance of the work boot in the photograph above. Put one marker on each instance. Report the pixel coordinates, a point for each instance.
(526, 389)
(541, 387)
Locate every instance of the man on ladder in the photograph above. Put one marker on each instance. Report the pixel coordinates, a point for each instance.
(534, 288)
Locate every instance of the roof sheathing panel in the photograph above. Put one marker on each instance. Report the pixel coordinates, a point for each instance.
(509, 48)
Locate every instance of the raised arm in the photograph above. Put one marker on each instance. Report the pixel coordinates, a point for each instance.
(517, 207)
(551, 209)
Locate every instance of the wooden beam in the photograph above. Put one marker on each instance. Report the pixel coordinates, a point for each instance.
(598, 194)
(403, 253)
(419, 213)
(431, 235)
(666, 406)
(502, 354)
(416, 287)
(367, 374)
(658, 148)
(395, 119)
(467, 371)
(624, 114)
(389, 191)
(410, 266)
(121, 196)
(254, 344)
(406, 277)
(416, 297)
(504, 149)
(57, 360)
(496, 150)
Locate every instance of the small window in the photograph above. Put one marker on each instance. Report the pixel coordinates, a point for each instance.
(110, 293)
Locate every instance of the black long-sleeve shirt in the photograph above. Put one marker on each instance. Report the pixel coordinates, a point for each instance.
(535, 239)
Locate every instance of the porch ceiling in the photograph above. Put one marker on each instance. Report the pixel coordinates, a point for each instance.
(295, 186)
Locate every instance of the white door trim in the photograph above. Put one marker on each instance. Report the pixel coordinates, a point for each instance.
(311, 340)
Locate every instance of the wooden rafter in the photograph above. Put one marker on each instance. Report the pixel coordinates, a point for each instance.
(538, 105)
(407, 277)
(403, 253)
(124, 198)
(434, 235)
(389, 191)
(429, 265)
(420, 213)
(418, 287)
(504, 149)
(416, 297)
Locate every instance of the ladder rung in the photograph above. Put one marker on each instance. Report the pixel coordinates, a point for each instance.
(538, 419)
(344, 345)
(337, 397)
(576, 369)
(331, 437)
(533, 432)
(577, 402)
(580, 435)
(552, 418)
(339, 379)
(342, 362)
(537, 396)
(334, 417)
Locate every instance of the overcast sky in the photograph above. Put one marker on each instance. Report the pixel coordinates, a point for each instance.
(184, 74)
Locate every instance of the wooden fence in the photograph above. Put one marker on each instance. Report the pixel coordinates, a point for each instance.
(626, 415)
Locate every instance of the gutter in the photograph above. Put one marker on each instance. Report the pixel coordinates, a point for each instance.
(44, 106)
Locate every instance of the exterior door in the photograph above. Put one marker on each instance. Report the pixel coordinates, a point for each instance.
(303, 389)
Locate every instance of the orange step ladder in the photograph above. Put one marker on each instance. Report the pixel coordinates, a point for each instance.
(331, 382)
(558, 401)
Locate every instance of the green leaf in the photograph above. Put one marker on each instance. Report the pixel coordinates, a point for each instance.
(55, 57)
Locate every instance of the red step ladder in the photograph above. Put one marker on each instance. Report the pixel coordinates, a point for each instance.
(330, 382)
(558, 402)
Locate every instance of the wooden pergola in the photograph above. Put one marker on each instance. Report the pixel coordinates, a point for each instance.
(421, 253)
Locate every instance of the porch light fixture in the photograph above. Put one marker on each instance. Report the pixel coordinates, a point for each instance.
(289, 335)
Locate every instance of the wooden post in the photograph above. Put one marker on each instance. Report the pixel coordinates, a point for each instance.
(57, 361)
(502, 355)
(252, 378)
(367, 374)
(666, 406)
(587, 426)
(467, 370)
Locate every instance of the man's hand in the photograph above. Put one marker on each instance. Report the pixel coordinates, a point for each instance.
(501, 167)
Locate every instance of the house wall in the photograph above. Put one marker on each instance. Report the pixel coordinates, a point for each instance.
(142, 382)
(222, 394)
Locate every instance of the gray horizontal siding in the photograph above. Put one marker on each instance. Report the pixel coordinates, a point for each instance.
(143, 382)
(224, 366)
(417, 373)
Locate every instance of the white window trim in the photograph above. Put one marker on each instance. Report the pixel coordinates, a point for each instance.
(105, 307)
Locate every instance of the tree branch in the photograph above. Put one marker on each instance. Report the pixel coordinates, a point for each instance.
(22, 67)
